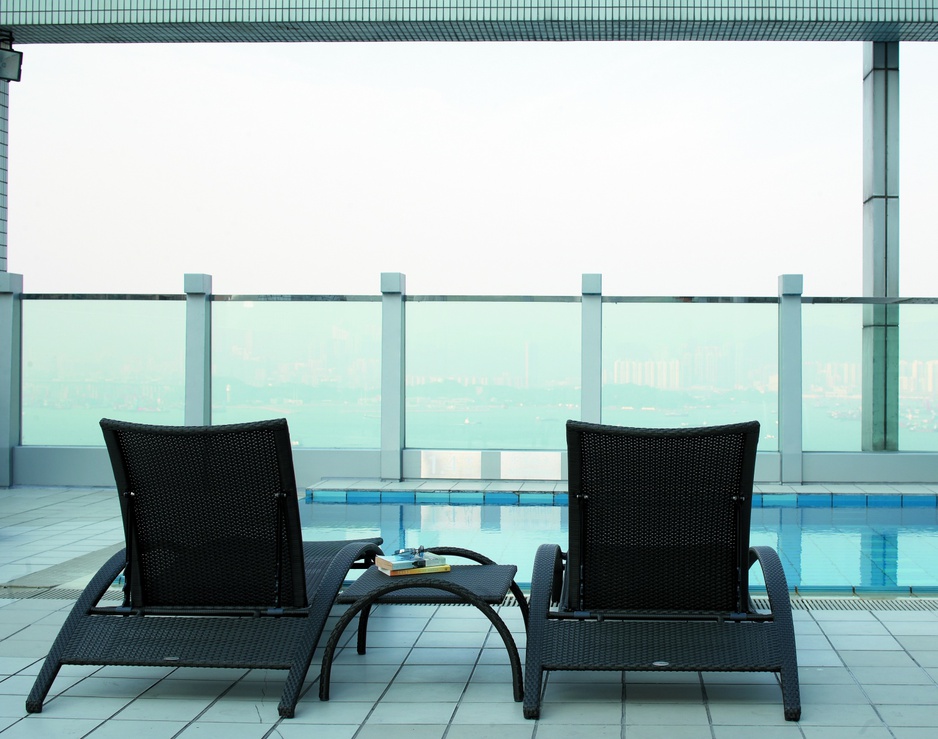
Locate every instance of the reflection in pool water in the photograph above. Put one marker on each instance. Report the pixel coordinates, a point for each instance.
(867, 549)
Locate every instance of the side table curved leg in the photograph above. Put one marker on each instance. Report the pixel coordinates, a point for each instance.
(366, 601)
(363, 629)
(483, 560)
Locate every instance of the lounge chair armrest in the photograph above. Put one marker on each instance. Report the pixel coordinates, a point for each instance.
(546, 579)
(460, 552)
(336, 570)
(776, 584)
(780, 604)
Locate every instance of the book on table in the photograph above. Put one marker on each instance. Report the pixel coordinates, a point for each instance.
(416, 570)
(409, 560)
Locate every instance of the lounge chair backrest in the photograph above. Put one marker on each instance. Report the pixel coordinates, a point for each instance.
(210, 515)
(659, 518)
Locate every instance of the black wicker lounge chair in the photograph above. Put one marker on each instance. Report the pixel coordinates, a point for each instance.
(216, 572)
(656, 576)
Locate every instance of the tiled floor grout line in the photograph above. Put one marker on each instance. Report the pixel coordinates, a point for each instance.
(465, 688)
(397, 672)
(706, 703)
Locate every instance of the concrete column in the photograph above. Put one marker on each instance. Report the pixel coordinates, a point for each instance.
(198, 350)
(392, 375)
(880, 422)
(591, 351)
(11, 361)
(790, 391)
(4, 160)
(10, 63)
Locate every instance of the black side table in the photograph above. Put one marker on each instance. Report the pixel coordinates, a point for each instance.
(482, 585)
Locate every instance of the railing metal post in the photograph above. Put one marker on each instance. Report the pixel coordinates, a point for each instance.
(790, 391)
(392, 375)
(11, 334)
(591, 351)
(198, 289)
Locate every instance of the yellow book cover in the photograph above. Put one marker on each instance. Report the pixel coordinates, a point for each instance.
(416, 570)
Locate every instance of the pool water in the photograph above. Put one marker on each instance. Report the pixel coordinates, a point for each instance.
(856, 548)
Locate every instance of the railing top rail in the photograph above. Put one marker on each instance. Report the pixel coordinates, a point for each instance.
(870, 301)
(688, 299)
(296, 298)
(101, 296)
(492, 298)
(271, 298)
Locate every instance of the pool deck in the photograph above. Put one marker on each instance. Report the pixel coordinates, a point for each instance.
(868, 667)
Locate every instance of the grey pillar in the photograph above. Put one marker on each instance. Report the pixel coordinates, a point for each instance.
(4, 160)
(10, 63)
(591, 352)
(880, 424)
(392, 375)
(11, 332)
(198, 349)
(790, 392)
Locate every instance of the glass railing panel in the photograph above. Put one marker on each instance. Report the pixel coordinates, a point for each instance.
(918, 378)
(315, 362)
(491, 374)
(84, 359)
(832, 352)
(677, 364)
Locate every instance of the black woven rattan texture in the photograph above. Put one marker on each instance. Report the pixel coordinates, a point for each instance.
(660, 518)
(212, 524)
(205, 517)
(490, 584)
(608, 645)
(656, 573)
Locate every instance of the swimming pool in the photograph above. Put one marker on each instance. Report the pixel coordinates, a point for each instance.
(857, 543)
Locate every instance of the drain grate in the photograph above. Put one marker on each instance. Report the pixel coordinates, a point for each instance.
(83, 566)
(20, 593)
(799, 603)
(856, 604)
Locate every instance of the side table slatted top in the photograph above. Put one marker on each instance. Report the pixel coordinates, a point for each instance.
(489, 583)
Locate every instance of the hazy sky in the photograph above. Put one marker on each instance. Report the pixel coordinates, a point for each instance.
(672, 168)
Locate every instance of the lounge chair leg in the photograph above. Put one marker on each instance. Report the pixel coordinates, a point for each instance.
(363, 629)
(89, 597)
(791, 693)
(533, 684)
(41, 687)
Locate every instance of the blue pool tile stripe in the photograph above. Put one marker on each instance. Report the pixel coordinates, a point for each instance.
(502, 495)
(848, 500)
(501, 498)
(364, 496)
(814, 500)
(919, 501)
(397, 496)
(431, 497)
(327, 496)
(467, 498)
